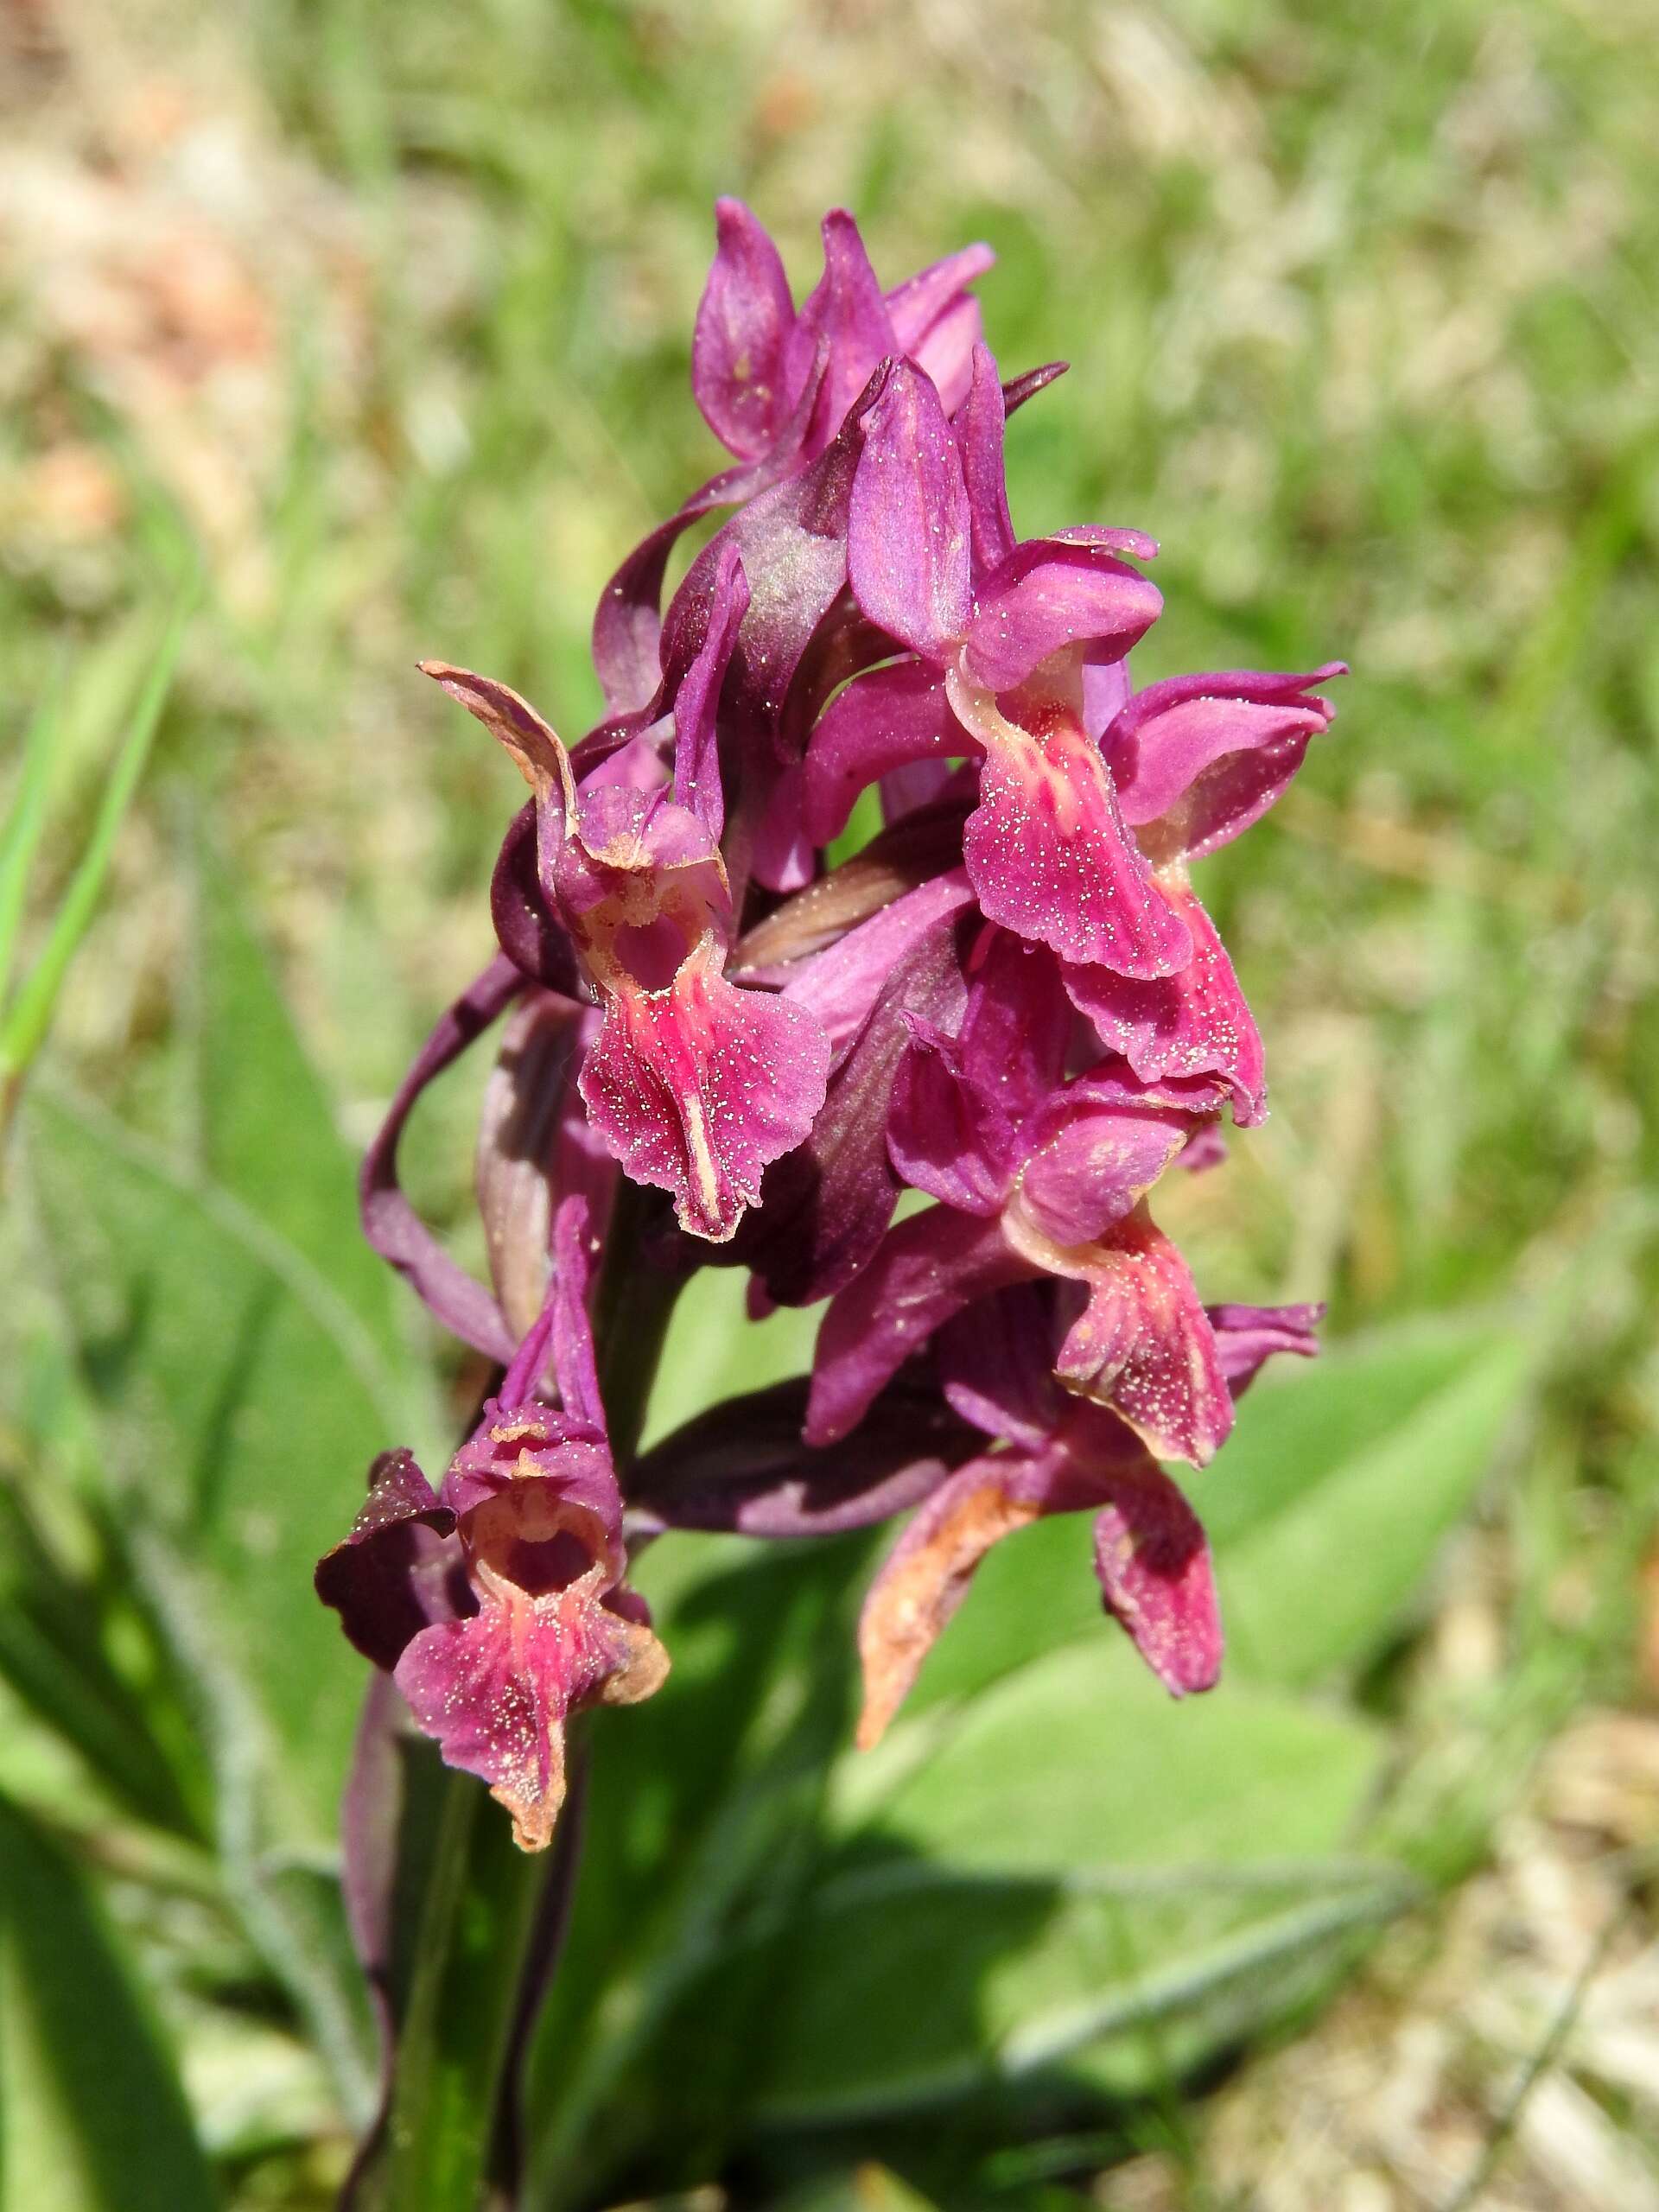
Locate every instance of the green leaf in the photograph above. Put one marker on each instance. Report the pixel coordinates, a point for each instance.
(266, 1128)
(1073, 1857)
(1342, 1484)
(24, 822)
(242, 1399)
(92, 2115)
(26, 1020)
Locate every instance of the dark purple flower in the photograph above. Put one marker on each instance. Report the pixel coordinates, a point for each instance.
(496, 1601)
(692, 1082)
(1036, 1176)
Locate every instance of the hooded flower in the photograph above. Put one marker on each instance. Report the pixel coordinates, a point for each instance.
(692, 1082)
(1035, 1176)
(1010, 1003)
(496, 1601)
(1056, 1455)
(775, 385)
(1089, 803)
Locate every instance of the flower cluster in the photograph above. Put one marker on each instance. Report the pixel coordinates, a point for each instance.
(1009, 1001)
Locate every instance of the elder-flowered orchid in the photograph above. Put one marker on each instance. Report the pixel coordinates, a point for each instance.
(1010, 1003)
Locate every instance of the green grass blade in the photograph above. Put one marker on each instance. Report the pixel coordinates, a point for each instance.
(22, 834)
(27, 1019)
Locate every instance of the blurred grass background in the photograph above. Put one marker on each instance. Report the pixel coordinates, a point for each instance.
(383, 312)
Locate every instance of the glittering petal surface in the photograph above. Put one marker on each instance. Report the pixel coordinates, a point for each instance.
(1195, 1022)
(879, 722)
(743, 323)
(697, 697)
(1202, 757)
(792, 543)
(1051, 593)
(1157, 1579)
(1050, 856)
(494, 1691)
(1144, 1346)
(1091, 1159)
(907, 541)
(925, 1270)
(696, 1087)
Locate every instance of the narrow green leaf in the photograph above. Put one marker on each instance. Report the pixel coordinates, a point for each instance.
(243, 1399)
(92, 2115)
(27, 1019)
(24, 823)
(266, 1129)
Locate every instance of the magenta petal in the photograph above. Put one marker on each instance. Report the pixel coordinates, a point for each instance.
(1248, 1336)
(839, 985)
(1195, 1022)
(494, 1692)
(782, 856)
(847, 314)
(880, 722)
(1157, 1578)
(826, 1205)
(946, 354)
(1144, 1346)
(399, 1568)
(792, 540)
(743, 323)
(1205, 755)
(1047, 595)
(742, 1465)
(947, 1135)
(696, 700)
(1050, 859)
(907, 528)
(916, 307)
(1018, 1023)
(696, 1087)
(1091, 1162)
(979, 434)
(996, 1365)
(924, 1270)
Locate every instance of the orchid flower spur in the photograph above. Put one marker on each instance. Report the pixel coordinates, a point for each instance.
(723, 1044)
